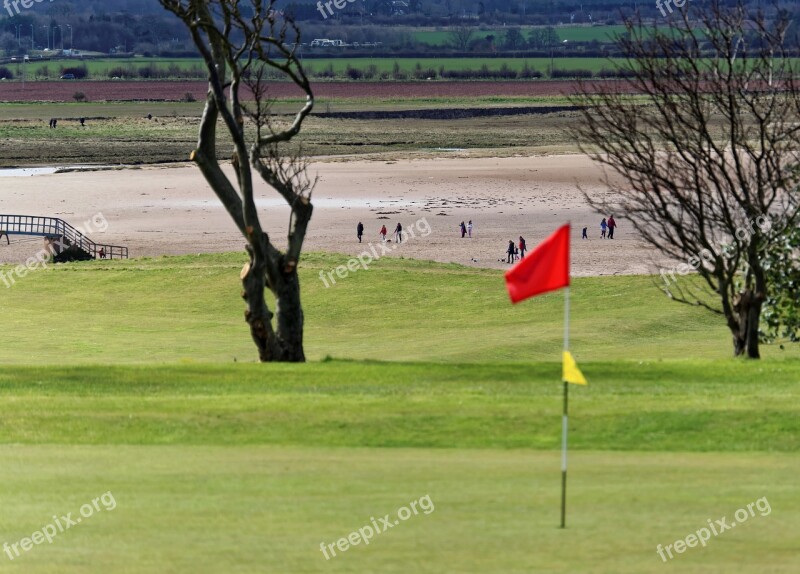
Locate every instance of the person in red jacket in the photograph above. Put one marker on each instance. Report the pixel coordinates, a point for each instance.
(611, 225)
(523, 247)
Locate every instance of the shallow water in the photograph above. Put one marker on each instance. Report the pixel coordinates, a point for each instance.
(27, 171)
(49, 170)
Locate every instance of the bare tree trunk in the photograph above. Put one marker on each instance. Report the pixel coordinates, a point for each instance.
(286, 342)
(238, 47)
(748, 314)
(290, 318)
(257, 314)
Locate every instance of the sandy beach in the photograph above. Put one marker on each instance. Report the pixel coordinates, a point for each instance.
(162, 210)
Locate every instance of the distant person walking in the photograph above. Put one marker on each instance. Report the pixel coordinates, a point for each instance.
(510, 252)
(523, 247)
(398, 233)
(383, 233)
(585, 236)
(611, 226)
(469, 228)
(360, 231)
(603, 228)
(463, 230)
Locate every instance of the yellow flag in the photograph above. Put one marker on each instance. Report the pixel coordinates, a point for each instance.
(571, 372)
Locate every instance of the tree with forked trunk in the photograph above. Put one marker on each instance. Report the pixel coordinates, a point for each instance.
(708, 153)
(241, 43)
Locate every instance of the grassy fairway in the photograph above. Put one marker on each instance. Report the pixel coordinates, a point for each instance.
(188, 308)
(249, 468)
(114, 381)
(266, 509)
(662, 406)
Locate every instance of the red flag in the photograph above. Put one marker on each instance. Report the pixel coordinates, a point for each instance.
(544, 269)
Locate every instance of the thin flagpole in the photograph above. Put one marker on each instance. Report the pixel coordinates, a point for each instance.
(564, 419)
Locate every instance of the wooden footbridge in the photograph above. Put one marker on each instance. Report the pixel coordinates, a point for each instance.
(66, 242)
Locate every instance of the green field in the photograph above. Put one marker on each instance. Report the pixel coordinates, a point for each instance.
(571, 33)
(408, 65)
(100, 69)
(101, 66)
(120, 377)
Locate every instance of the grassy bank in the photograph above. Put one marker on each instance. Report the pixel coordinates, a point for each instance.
(188, 308)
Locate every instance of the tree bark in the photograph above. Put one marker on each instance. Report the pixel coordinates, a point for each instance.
(745, 335)
(285, 343)
(290, 318)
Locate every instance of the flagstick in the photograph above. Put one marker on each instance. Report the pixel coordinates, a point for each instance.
(564, 420)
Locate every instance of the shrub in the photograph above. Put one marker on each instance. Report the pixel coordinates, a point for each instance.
(188, 97)
(79, 97)
(354, 73)
(327, 72)
(570, 73)
(6, 74)
(528, 72)
(421, 74)
(606, 73)
(80, 72)
(371, 72)
(121, 72)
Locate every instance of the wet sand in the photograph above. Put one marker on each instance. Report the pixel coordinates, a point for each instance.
(171, 210)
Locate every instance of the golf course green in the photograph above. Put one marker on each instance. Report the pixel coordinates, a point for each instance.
(139, 378)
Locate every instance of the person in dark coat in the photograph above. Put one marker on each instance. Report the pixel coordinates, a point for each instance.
(360, 231)
(611, 226)
(510, 251)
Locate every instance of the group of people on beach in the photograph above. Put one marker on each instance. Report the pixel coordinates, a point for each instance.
(607, 227)
(398, 232)
(514, 251)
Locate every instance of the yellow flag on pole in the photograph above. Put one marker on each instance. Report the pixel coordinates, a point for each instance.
(571, 372)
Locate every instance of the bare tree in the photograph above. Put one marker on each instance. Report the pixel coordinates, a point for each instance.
(460, 37)
(708, 154)
(241, 41)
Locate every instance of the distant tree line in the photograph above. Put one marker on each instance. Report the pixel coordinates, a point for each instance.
(141, 26)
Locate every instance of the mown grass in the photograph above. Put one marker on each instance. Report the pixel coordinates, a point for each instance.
(119, 378)
(244, 509)
(689, 406)
(188, 308)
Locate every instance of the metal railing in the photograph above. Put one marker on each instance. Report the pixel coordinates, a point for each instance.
(60, 231)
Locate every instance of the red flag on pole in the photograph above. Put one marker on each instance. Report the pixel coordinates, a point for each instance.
(545, 269)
